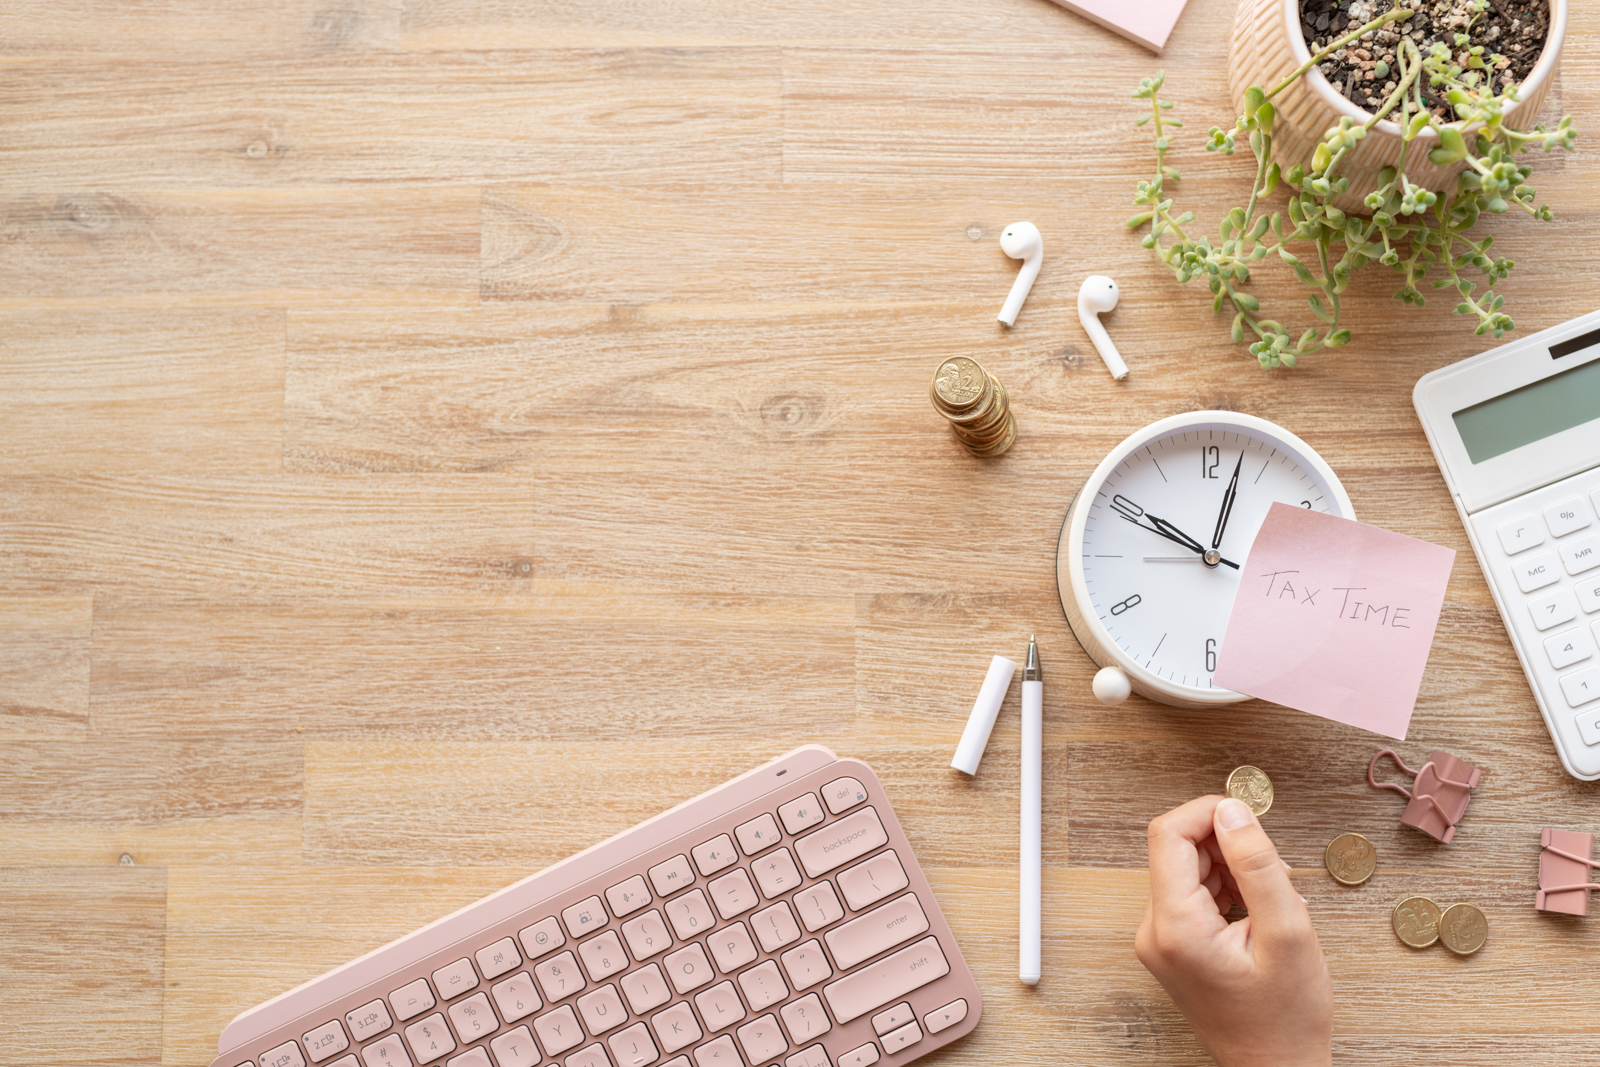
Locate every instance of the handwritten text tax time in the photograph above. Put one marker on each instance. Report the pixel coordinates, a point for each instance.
(1354, 604)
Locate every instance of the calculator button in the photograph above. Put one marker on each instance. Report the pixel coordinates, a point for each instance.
(1553, 609)
(1536, 572)
(801, 814)
(1589, 727)
(1581, 555)
(1519, 535)
(1567, 516)
(1582, 686)
(1588, 596)
(1568, 648)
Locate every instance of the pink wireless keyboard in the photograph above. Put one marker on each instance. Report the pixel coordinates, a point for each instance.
(780, 919)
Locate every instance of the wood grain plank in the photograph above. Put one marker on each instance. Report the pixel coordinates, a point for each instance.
(332, 119)
(142, 390)
(44, 667)
(85, 247)
(87, 937)
(557, 665)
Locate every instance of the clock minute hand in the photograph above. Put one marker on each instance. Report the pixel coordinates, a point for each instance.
(1227, 504)
(1172, 533)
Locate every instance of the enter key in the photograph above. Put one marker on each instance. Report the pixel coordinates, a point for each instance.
(881, 928)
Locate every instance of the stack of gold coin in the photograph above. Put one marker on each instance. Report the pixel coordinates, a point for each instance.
(1461, 928)
(976, 405)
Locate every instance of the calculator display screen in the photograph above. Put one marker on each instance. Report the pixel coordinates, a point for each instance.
(1530, 413)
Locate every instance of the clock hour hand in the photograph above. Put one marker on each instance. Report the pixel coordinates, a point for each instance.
(1172, 533)
(1227, 504)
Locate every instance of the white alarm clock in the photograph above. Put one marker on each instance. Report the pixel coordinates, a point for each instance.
(1149, 557)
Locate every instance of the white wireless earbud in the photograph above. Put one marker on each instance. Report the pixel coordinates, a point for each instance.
(1098, 295)
(1021, 240)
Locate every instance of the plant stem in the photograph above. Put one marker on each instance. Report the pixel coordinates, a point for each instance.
(1381, 20)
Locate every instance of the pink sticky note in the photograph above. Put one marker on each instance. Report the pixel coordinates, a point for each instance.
(1146, 22)
(1336, 618)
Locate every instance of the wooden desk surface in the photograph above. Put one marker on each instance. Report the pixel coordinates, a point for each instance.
(435, 437)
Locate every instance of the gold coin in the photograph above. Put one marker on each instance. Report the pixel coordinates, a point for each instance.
(1416, 921)
(1006, 440)
(1251, 785)
(1350, 858)
(1463, 929)
(959, 382)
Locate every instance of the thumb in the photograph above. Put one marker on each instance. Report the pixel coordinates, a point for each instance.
(1276, 910)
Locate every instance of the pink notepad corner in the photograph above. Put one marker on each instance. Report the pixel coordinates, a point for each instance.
(1336, 618)
(1146, 22)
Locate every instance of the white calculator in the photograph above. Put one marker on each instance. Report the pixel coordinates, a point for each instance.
(1516, 432)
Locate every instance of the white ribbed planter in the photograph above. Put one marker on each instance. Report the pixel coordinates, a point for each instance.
(1268, 45)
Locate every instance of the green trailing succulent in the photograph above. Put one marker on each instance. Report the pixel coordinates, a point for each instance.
(1412, 229)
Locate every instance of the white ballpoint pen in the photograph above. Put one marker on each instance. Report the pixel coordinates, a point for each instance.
(1032, 796)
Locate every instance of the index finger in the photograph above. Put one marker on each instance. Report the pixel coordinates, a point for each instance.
(1175, 848)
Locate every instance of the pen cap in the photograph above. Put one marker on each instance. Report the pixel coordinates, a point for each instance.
(984, 711)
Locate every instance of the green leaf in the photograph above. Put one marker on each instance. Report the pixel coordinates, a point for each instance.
(1318, 310)
(1253, 99)
(1259, 228)
(1141, 120)
(1140, 219)
(1265, 114)
(1238, 328)
(1307, 338)
(1288, 256)
(1337, 339)
(1418, 122)
(1451, 144)
(1272, 179)
(1246, 301)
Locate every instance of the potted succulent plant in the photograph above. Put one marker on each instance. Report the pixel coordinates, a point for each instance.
(1400, 178)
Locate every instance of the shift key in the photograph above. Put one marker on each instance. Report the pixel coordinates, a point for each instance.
(890, 979)
(840, 842)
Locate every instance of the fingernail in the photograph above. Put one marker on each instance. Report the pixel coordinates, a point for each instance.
(1286, 865)
(1303, 900)
(1234, 814)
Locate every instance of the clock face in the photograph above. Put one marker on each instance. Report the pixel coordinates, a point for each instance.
(1166, 531)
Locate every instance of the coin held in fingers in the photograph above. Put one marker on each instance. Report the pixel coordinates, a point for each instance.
(1252, 786)
(1351, 859)
(1463, 928)
(1416, 921)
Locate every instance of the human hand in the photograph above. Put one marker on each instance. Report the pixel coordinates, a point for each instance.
(1256, 991)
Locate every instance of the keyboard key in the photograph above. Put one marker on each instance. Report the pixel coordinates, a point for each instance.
(558, 1030)
(430, 1039)
(632, 1047)
(645, 988)
(776, 874)
(1553, 609)
(805, 1019)
(677, 1061)
(731, 948)
(454, 979)
(690, 915)
(1520, 534)
(1581, 554)
(603, 956)
(733, 894)
(326, 1040)
(762, 1040)
(1589, 727)
(342, 1061)
(946, 1017)
(864, 1056)
(386, 1052)
(1588, 596)
(672, 875)
(628, 897)
(1567, 516)
(473, 1057)
(877, 931)
(1581, 687)
(498, 958)
(775, 927)
(542, 938)
(842, 794)
(869, 882)
(1535, 572)
(558, 976)
(1565, 649)
(905, 1037)
(886, 981)
(757, 834)
(677, 1027)
(806, 966)
(589, 1056)
(602, 1010)
(515, 1049)
(712, 856)
(819, 905)
(285, 1055)
(516, 997)
(801, 814)
(411, 1000)
(688, 968)
(763, 986)
(647, 935)
(814, 1056)
(584, 916)
(892, 1019)
(473, 1018)
(848, 839)
(718, 1052)
(719, 1006)
(369, 1020)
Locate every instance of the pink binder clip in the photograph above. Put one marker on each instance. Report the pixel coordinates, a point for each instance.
(1564, 871)
(1438, 794)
